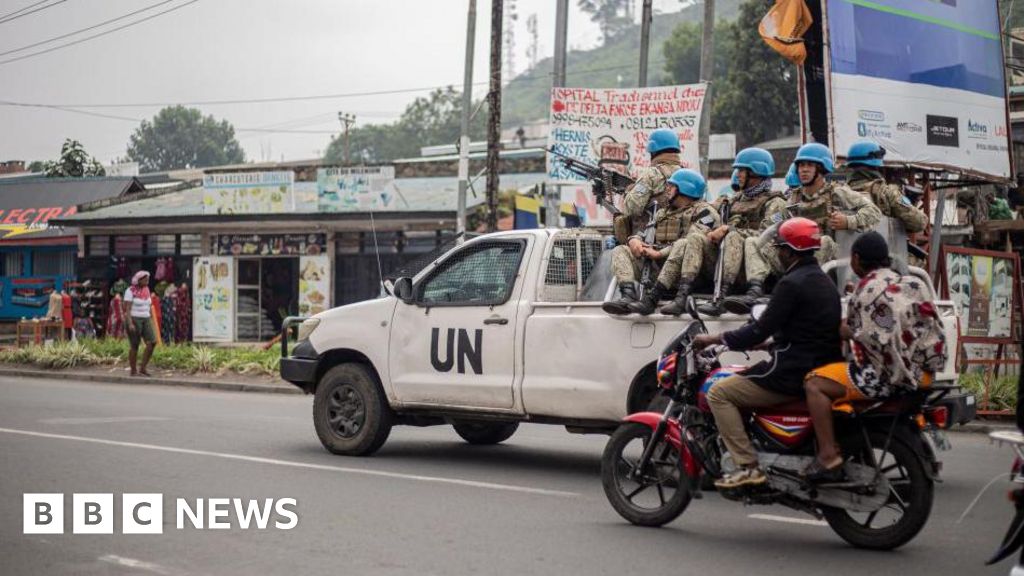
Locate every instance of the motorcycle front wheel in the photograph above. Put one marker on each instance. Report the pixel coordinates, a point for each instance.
(658, 492)
(905, 512)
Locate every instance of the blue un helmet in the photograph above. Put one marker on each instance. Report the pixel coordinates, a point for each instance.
(758, 160)
(817, 153)
(865, 153)
(734, 182)
(689, 183)
(663, 140)
(792, 178)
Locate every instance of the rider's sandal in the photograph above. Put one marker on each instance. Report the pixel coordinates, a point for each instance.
(815, 472)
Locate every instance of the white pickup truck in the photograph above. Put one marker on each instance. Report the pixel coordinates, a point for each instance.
(502, 329)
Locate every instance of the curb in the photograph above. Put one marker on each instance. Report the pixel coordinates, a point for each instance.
(983, 427)
(152, 381)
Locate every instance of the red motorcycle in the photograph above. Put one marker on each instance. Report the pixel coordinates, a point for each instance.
(654, 464)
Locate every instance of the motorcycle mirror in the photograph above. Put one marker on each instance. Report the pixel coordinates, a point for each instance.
(758, 310)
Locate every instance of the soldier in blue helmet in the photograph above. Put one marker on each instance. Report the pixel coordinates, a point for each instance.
(792, 180)
(830, 205)
(752, 209)
(865, 161)
(650, 186)
(688, 258)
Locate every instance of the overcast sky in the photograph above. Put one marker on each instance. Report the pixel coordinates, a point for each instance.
(243, 49)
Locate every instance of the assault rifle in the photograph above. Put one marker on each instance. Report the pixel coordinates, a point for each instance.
(603, 181)
(647, 277)
(723, 212)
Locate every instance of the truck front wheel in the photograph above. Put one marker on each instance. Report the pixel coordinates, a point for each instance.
(350, 411)
(482, 433)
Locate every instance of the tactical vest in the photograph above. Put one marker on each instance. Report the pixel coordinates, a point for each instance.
(669, 225)
(749, 212)
(818, 209)
(623, 228)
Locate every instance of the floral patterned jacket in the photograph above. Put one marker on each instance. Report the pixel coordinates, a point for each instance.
(897, 334)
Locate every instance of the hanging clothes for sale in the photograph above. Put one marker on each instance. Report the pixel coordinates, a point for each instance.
(55, 310)
(183, 330)
(115, 318)
(154, 312)
(168, 315)
(65, 310)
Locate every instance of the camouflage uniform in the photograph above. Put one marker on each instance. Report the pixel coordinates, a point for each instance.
(889, 198)
(748, 217)
(761, 256)
(669, 225)
(649, 185)
(693, 253)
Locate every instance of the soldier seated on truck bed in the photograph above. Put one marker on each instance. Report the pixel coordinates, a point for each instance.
(832, 206)
(865, 160)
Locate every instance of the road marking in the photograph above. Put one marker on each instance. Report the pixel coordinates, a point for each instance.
(788, 519)
(133, 563)
(296, 464)
(107, 420)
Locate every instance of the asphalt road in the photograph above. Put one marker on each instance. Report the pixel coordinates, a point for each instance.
(427, 503)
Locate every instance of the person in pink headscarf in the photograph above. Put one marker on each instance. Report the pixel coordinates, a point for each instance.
(138, 311)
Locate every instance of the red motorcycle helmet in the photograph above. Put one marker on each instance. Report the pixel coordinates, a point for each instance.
(799, 234)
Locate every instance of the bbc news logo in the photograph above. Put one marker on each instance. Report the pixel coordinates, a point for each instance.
(144, 513)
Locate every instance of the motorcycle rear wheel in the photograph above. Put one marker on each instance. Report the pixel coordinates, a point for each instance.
(661, 490)
(903, 516)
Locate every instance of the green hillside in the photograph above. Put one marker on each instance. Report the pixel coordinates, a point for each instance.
(612, 65)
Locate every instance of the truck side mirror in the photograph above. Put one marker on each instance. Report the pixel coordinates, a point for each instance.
(403, 289)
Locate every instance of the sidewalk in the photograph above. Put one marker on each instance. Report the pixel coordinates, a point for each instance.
(119, 375)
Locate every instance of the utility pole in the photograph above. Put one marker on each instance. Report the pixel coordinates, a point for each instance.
(494, 119)
(346, 120)
(707, 70)
(467, 106)
(553, 193)
(645, 41)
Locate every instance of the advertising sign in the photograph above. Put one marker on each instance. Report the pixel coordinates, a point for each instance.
(923, 79)
(355, 189)
(213, 303)
(314, 285)
(270, 244)
(249, 193)
(981, 283)
(611, 126)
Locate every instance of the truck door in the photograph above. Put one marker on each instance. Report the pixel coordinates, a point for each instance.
(455, 344)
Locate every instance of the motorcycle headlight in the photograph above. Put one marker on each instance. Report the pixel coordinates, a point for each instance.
(307, 327)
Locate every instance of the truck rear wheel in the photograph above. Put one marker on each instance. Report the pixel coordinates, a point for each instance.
(483, 433)
(350, 411)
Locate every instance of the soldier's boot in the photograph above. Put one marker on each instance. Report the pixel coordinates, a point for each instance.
(649, 303)
(715, 307)
(627, 296)
(678, 305)
(743, 304)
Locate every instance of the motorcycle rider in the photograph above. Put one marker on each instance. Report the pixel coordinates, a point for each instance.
(896, 340)
(663, 146)
(831, 205)
(865, 160)
(803, 318)
(751, 211)
(692, 254)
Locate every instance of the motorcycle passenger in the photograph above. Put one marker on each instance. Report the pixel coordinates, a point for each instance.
(753, 209)
(663, 147)
(896, 340)
(831, 205)
(802, 318)
(692, 255)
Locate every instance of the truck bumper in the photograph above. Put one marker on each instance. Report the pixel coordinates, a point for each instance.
(301, 367)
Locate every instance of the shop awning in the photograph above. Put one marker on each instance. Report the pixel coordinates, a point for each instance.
(27, 206)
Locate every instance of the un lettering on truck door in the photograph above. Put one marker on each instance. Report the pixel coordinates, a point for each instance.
(467, 351)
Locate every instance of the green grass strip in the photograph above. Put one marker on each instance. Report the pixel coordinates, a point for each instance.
(925, 18)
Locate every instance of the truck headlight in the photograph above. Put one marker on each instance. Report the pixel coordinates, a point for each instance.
(307, 327)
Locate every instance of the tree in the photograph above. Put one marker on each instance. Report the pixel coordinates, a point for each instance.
(430, 120)
(180, 137)
(757, 98)
(74, 162)
(682, 55)
(611, 15)
(36, 166)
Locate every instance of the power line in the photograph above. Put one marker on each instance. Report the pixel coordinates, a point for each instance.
(15, 15)
(87, 38)
(93, 27)
(9, 14)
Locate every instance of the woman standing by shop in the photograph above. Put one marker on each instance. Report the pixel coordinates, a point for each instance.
(138, 310)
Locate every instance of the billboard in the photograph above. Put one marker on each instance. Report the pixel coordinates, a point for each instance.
(923, 78)
(611, 126)
(249, 193)
(355, 189)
